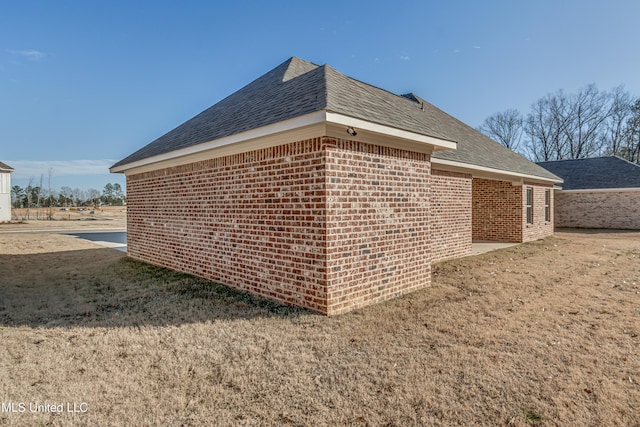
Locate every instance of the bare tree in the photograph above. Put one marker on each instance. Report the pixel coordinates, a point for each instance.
(50, 195)
(538, 131)
(505, 127)
(79, 196)
(92, 196)
(560, 126)
(39, 197)
(29, 191)
(545, 126)
(588, 111)
(66, 196)
(631, 150)
(615, 134)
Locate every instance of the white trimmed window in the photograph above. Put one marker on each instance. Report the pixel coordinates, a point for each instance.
(4, 183)
(529, 205)
(547, 205)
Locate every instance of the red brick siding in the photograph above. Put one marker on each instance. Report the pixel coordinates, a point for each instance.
(326, 224)
(614, 209)
(450, 214)
(254, 221)
(499, 212)
(378, 242)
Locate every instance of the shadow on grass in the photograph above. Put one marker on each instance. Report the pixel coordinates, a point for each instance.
(104, 288)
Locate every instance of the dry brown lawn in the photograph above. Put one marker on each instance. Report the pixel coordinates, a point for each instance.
(96, 217)
(545, 333)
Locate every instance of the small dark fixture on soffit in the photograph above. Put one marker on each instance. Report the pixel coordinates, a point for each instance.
(351, 131)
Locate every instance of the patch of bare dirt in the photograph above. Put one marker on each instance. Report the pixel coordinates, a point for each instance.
(545, 333)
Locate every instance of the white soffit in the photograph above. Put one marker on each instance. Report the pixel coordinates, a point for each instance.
(436, 144)
(489, 173)
(313, 125)
(603, 190)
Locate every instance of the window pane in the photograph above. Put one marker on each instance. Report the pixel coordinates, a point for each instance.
(547, 205)
(529, 205)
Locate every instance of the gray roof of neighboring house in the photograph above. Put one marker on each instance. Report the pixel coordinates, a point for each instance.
(5, 167)
(596, 173)
(297, 87)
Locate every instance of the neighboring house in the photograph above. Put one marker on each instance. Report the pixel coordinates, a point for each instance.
(603, 192)
(5, 192)
(314, 189)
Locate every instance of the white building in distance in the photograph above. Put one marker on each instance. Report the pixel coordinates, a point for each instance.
(5, 192)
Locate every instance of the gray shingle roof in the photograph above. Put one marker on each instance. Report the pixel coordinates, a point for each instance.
(292, 89)
(360, 100)
(596, 173)
(475, 148)
(297, 87)
(6, 167)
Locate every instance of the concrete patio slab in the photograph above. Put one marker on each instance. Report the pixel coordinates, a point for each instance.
(483, 247)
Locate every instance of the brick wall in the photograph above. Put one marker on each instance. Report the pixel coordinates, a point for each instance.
(496, 211)
(378, 242)
(499, 213)
(254, 221)
(598, 210)
(450, 204)
(326, 224)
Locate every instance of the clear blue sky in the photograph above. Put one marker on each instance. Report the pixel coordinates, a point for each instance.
(85, 83)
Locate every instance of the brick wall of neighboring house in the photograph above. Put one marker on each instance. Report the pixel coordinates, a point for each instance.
(326, 224)
(499, 212)
(378, 244)
(450, 214)
(615, 209)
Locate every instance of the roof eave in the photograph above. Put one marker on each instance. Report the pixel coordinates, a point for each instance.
(492, 173)
(436, 144)
(602, 190)
(319, 123)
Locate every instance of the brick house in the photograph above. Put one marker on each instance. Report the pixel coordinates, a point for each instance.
(602, 192)
(312, 188)
(5, 192)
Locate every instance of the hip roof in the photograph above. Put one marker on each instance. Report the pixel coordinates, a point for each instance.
(297, 87)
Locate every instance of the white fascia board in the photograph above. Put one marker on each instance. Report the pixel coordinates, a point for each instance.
(490, 173)
(264, 131)
(603, 190)
(436, 144)
(296, 129)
